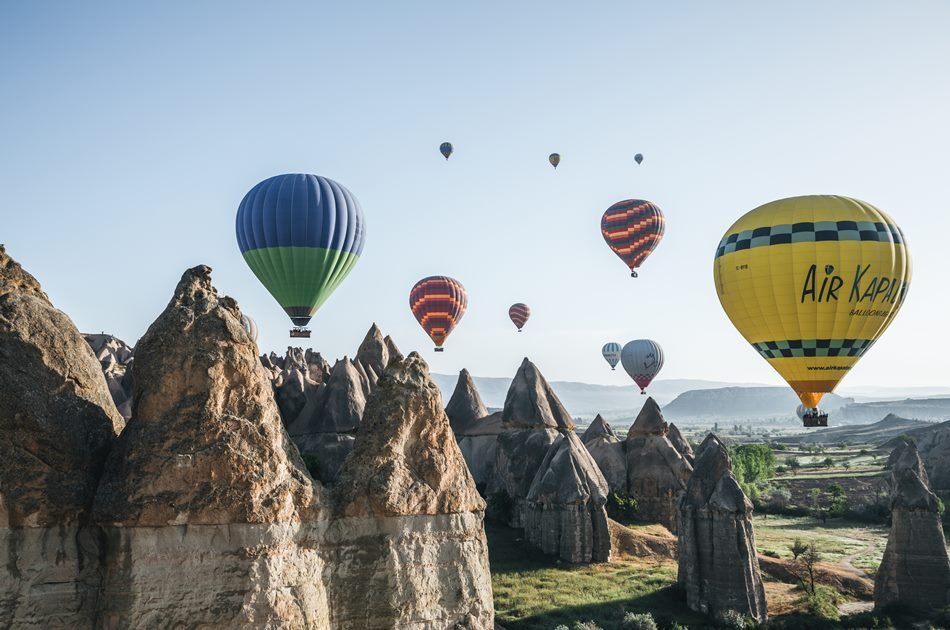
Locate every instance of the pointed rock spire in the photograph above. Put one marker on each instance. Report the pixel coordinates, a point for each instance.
(466, 406)
(565, 513)
(394, 353)
(373, 352)
(531, 403)
(649, 421)
(599, 428)
(718, 565)
(680, 443)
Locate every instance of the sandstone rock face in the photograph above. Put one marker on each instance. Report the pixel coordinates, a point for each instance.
(656, 472)
(203, 496)
(608, 451)
(57, 424)
(531, 421)
(373, 353)
(915, 570)
(717, 558)
(681, 444)
(115, 357)
(407, 548)
(565, 514)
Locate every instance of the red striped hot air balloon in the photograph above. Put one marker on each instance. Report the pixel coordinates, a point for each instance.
(519, 314)
(438, 303)
(633, 228)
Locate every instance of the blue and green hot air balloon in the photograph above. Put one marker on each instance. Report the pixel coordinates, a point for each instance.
(301, 235)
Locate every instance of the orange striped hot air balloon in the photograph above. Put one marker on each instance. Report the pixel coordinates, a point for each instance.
(519, 314)
(632, 229)
(438, 303)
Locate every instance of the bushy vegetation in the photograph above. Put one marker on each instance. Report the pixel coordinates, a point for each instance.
(621, 507)
(638, 621)
(752, 463)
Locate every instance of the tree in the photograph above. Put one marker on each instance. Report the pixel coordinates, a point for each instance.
(828, 462)
(808, 560)
(752, 463)
(793, 463)
(798, 548)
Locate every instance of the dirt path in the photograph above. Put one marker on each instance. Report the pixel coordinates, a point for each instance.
(854, 608)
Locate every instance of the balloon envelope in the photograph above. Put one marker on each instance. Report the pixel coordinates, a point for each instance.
(638, 157)
(812, 282)
(611, 352)
(642, 360)
(446, 149)
(554, 159)
(301, 235)
(438, 304)
(632, 229)
(519, 314)
(250, 326)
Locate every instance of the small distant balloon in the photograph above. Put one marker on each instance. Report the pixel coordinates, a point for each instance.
(250, 326)
(639, 158)
(554, 159)
(642, 359)
(446, 149)
(611, 352)
(438, 304)
(519, 314)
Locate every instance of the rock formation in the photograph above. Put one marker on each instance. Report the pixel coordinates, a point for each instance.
(565, 514)
(476, 430)
(115, 357)
(407, 546)
(656, 472)
(718, 566)
(915, 570)
(57, 424)
(373, 353)
(934, 448)
(608, 451)
(325, 427)
(203, 496)
(681, 444)
(531, 420)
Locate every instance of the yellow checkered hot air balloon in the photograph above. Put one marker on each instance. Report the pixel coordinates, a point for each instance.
(812, 282)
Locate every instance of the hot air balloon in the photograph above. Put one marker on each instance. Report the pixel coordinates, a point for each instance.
(446, 149)
(438, 304)
(642, 359)
(250, 326)
(632, 229)
(639, 158)
(611, 352)
(300, 235)
(519, 314)
(812, 282)
(554, 159)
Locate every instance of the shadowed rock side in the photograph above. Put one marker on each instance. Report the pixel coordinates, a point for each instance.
(565, 514)
(609, 452)
(915, 570)
(476, 430)
(115, 357)
(656, 472)
(57, 424)
(203, 495)
(681, 444)
(934, 450)
(373, 353)
(718, 566)
(531, 419)
(407, 546)
(324, 429)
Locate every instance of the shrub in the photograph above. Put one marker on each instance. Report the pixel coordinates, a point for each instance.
(771, 554)
(638, 621)
(585, 625)
(733, 620)
(823, 602)
(621, 507)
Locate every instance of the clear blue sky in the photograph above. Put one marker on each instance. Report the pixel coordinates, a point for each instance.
(128, 136)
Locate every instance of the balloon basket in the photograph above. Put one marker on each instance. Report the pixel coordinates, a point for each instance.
(815, 418)
(440, 349)
(643, 393)
(633, 274)
(300, 332)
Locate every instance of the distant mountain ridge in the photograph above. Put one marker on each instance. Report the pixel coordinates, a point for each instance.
(585, 399)
(742, 403)
(882, 432)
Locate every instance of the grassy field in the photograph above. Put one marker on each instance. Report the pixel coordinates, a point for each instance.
(536, 592)
(839, 541)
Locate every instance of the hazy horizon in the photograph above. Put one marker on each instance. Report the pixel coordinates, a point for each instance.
(132, 133)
